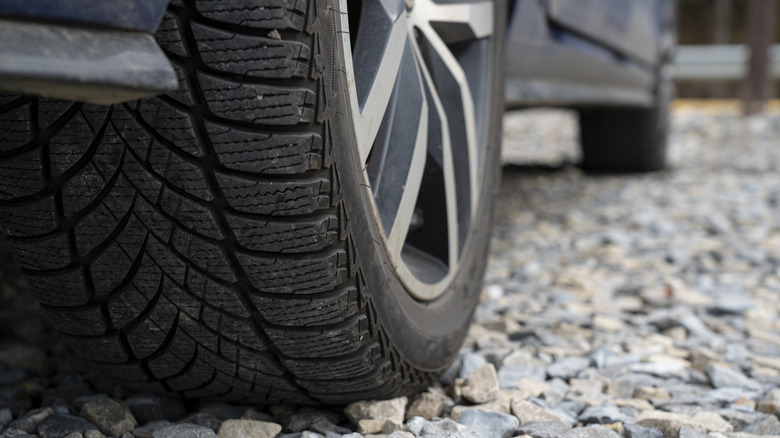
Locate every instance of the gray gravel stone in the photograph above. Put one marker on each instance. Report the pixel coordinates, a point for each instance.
(428, 405)
(148, 429)
(248, 429)
(203, 419)
(481, 386)
(60, 425)
(607, 413)
(469, 363)
(721, 376)
(568, 367)
(392, 410)
(489, 424)
(510, 376)
(15, 433)
(544, 429)
(6, 416)
(770, 403)
(590, 432)
(635, 431)
(153, 407)
(768, 425)
(29, 422)
(687, 432)
(113, 418)
(185, 430)
(415, 425)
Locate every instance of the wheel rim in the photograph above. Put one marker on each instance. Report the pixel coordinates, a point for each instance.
(420, 78)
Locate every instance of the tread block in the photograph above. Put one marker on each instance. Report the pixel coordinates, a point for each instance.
(109, 269)
(191, 215)
(216, 295)
(31, 219)
(22, 175)
(50, 252)
(223, 365)
(171, 264)
(49, 110)
(284, 275)
(263, 152)
(355, 365)
(99, 223)
(381, 376)
(69, 144)
(193, 377)
(66, 289)
(380, 386)
(238, 330)
(258, 103)
(83, 189)
(206, 338)
(149, 334)
(169, 37)
(107, 348)
(213, 389)
(126, 305)
(208, 256)
(263, 14)
(80, 321)
(131, 238)
(130, 373)
(153, 220)
(251, 360)
(222, 324)
(15, 128)
(178, 172)
(251, 56)
(308, 311)
(94, 228)
(184, 93)
(132, 133)
(284, 236)
(171, 123)
(172, 360)
(141, 179)
(108, 156)
(183, 298)
(320, 342)
(276, 198)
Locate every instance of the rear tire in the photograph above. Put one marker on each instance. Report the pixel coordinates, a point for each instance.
(626, 139)
(219, 241)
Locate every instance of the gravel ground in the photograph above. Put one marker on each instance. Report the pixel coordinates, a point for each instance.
(636, 306)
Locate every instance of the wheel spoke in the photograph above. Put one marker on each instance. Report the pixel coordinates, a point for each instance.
(375, 83)
(456, 22)
(455, 93)
(401, 153)
(411, 188)
(439, 136)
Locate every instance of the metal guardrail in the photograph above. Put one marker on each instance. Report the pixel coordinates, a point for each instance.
(719, 62)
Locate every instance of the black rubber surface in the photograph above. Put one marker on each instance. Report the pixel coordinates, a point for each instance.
(627, 139)
(199, 243)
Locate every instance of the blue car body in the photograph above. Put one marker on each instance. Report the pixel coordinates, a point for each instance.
(559, 52)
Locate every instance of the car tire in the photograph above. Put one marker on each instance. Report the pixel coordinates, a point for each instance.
(627, 139)
(227, 240)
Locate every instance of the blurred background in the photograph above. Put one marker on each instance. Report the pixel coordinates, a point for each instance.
(715, 39)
